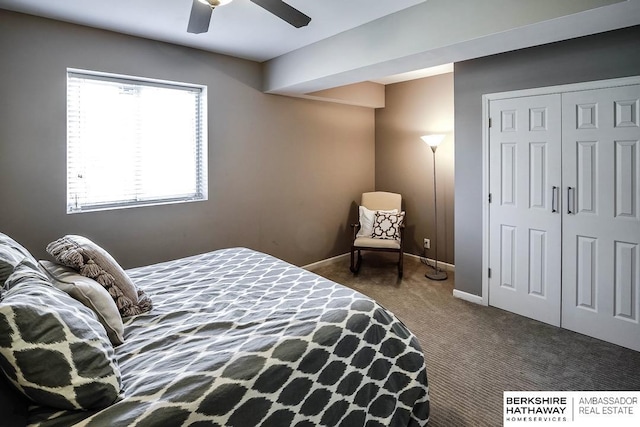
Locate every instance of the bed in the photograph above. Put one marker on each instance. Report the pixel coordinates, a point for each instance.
(240, 338)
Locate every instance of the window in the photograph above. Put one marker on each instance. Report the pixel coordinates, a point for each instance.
(133, 142)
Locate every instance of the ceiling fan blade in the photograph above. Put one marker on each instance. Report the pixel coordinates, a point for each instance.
(199, 18)
(285, 12)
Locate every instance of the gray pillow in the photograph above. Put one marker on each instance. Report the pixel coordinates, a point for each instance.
(91, 294)
(53, 349)
(11, 253)
(92, 261)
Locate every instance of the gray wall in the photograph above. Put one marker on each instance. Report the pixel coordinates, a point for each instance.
(283, 172)
(404, 163)
(597, 57)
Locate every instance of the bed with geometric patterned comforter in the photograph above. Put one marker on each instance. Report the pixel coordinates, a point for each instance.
(240, 338)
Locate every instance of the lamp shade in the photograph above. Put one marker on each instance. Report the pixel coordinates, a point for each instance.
(433, 140)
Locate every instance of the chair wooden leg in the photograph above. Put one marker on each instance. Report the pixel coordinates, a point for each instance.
(354, 267)
(355, 262)
(400, 264)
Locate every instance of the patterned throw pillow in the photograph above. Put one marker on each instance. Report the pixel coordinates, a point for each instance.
(93, 262)
(387, 225)
(11, 253)
(53, 349)
(25, 270)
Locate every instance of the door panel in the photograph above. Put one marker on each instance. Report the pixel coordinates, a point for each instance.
(626, 175)
(586, 260)
(525, 232)
(537, 264)
(601, 263)
(626, 285)
(586, 180)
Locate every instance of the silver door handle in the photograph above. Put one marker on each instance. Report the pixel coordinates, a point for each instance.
(571, 201)
(554, 199)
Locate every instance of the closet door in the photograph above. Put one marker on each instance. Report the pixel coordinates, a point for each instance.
(601, 214)
(524, 219)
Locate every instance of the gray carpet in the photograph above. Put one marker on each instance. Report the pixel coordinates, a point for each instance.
(474, 353)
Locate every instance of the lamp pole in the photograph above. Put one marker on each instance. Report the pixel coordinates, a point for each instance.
(434, 141)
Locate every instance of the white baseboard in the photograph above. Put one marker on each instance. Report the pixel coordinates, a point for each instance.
(468, 297)
(333, 260)
(443, 265)
(324, 262)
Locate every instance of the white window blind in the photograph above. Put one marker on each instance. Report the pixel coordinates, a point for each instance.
(133, 142)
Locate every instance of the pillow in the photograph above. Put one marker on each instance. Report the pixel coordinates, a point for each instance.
(53, 349)
(26, 269)
(93, 262)
(91, 294)
(387, 225)
(366, 217)
(11, 253)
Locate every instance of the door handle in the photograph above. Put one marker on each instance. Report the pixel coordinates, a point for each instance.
(571, 201)
(554, 199)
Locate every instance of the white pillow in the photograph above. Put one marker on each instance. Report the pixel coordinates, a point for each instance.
(367, 217)
(91, 294)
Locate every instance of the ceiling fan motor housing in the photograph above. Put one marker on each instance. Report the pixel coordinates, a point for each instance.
(201, 10)
(215, 3)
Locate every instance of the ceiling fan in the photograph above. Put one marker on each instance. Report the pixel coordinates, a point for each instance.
(202, 9)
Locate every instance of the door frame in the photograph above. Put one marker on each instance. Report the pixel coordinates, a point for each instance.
(486, 99)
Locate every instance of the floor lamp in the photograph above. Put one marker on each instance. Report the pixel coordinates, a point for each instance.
(433, 141)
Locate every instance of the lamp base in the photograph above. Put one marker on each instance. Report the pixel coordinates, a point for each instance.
(436, 275)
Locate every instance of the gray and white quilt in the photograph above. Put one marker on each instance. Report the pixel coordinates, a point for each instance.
(239, 338)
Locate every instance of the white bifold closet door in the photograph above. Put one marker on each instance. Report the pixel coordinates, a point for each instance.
(564, 215)
(601, 215)
(524, 218)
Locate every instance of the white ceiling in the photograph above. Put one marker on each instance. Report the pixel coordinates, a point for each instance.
(350, 41)
(241, 28)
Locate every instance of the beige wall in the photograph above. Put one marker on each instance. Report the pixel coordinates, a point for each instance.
(283, 172)
(404, 163)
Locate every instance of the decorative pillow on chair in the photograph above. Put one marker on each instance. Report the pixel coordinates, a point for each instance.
(91, 294)
(366, 218)
(53, 349)
(93, 262)
(387, 225)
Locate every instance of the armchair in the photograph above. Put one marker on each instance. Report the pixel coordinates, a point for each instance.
(380, 227)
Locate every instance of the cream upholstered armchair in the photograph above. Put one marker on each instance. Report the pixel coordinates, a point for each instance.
(380, 227)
